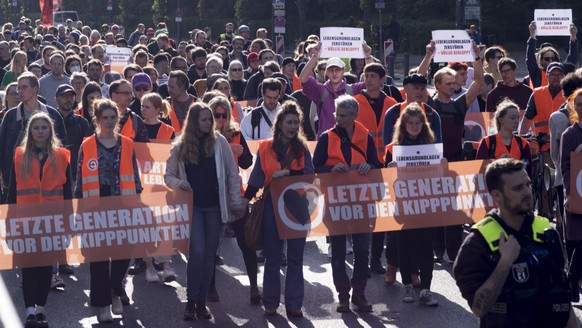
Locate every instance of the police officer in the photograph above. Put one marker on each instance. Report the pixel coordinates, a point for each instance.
(510, 268)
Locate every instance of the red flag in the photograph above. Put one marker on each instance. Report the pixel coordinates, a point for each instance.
(46, 11)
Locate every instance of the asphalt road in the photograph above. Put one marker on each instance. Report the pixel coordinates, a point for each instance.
(162, 305)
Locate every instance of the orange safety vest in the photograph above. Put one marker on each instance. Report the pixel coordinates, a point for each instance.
(90, 169)
(543, 83)
(501, 148)
(234, 111)
(33, 189)
(296, 83)
(367, 117)
(270, 163)
(175, 123)
(545, 106)
(165, 132)
(127, 129)
(334, 151)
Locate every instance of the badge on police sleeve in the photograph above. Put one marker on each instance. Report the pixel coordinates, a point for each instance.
(520, 272)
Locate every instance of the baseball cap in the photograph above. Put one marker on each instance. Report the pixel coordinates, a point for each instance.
(554, 65)
(252, 56)
(414, 79)
(64, 88)
(141, 79)
(334, 61)
(244, 28)
(288, 60)
(150, 31)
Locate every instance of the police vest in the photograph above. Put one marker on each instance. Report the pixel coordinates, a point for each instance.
(90, 169)
(358, 146)
(270, 163)
(367, 117)
(33, 188)
(545, 106)
(536, 292)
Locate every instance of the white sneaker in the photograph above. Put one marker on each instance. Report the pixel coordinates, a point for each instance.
(168, 275)
(152, 275)
(427, 299)
(57, 282)
(116, 306)
(408, 294)
(104, 314)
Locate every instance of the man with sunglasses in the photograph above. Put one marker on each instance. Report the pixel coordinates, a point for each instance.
(492, 57)
(537, 63)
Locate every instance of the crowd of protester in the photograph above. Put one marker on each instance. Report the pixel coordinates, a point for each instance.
(63, 107)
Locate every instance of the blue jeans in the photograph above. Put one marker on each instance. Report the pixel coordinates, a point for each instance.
(273, 250)
(342, 282)
(205, 230)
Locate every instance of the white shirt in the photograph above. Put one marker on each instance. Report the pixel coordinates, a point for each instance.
(263, 130)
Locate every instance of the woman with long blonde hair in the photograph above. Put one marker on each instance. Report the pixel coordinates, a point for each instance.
(17, 67)
(201, 162)
(41, 174)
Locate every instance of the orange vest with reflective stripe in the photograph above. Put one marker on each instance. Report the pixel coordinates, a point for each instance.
(334, 151)
(90, 169)
(270, 163)
(175, 123)
(367, 117)
(501, 148)
(165, 132)
(33, 189)
(545, 106)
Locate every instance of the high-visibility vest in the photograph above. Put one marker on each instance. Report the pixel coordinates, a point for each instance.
(367, 117)
(296, 83)
(90, 169)
(128, 129)
(490, 229)
(334, 151)
(501, 149)
(175, 122)
(544, 81)
(165, 132)
(33, 189)
(270, 163)
(545, 106)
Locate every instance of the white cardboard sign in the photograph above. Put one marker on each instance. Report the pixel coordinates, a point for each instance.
(554, 22)
(420, 155)
(342, 42)
(453, 46)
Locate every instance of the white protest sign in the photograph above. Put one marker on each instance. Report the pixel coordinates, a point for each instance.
(553, 21)
(418, 155)
(452, 46)
(117, 58)
(342, 42)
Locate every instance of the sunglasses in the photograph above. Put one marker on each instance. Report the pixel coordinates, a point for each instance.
(236, 69)
(141, 89)
(220, 115)
(549, 59)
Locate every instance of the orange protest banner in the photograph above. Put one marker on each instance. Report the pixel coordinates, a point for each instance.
(151, 160)
(94, 229)
(477, 126)
(575, 201)
(384, 200)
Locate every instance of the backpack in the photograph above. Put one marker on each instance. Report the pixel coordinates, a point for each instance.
(256, 114)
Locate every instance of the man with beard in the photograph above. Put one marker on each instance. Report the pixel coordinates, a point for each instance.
(510, 268)
(198, 68)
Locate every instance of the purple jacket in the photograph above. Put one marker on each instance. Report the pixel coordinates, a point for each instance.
(315, 91)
